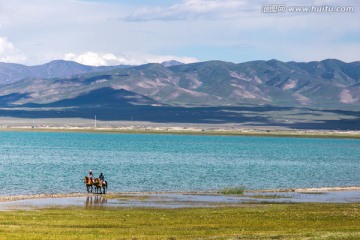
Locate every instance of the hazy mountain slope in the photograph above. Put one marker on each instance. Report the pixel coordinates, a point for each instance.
(272, 82)
(10, 73)
(101, 97)
(329, 83)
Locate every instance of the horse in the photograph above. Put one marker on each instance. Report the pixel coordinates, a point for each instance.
(89, 184)
(104, 185)
(100, 185)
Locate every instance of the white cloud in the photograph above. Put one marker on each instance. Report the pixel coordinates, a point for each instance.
(110, 59)
(8, 53)
(5, 45)
(192, 9)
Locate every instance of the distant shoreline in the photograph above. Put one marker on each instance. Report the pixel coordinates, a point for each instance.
(183, 130)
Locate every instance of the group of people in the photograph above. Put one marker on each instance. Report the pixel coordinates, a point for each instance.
(101, 176)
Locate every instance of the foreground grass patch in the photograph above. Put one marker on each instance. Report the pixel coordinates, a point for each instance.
(262, 221)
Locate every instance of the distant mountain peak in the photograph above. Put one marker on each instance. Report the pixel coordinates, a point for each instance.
(171, 63)
(62, 61)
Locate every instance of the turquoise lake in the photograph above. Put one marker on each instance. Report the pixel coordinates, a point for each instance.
(39, 162)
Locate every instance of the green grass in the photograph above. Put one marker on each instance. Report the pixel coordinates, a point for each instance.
(258, 221)
(233, 190)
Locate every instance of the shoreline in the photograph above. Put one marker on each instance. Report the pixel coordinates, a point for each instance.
(191, 130)
(11, 198)
(304, 190)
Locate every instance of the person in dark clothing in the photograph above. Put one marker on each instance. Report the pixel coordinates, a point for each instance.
(101, 177)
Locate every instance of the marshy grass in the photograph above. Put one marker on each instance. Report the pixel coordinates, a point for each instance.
(272, 196)
(240, 190)
(314, 193)
(127, 197)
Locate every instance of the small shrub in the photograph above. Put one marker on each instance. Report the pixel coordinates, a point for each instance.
(233, 190)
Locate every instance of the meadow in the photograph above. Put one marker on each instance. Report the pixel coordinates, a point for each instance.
(246, 221)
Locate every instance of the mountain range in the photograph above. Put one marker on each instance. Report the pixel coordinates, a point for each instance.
(202, 90)
(10, 72)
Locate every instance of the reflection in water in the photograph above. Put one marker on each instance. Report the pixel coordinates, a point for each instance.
(95, 201)
(178, 200)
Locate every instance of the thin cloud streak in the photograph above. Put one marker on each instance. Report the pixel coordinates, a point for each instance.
(191, 10)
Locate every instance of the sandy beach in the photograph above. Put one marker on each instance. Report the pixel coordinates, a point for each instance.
(194, 130)
(143, 127)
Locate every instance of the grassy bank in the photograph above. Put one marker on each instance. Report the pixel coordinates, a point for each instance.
(261, 221)
(233, 190)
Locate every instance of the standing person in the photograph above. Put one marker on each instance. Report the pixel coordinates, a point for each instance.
(101, 177)
(90, 175)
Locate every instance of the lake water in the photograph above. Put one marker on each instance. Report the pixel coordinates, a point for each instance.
(38, 162)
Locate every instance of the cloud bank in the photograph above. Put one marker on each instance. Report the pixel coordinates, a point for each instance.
(110, 59)
(8, 53)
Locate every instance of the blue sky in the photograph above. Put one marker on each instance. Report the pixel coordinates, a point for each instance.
(135, 32)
